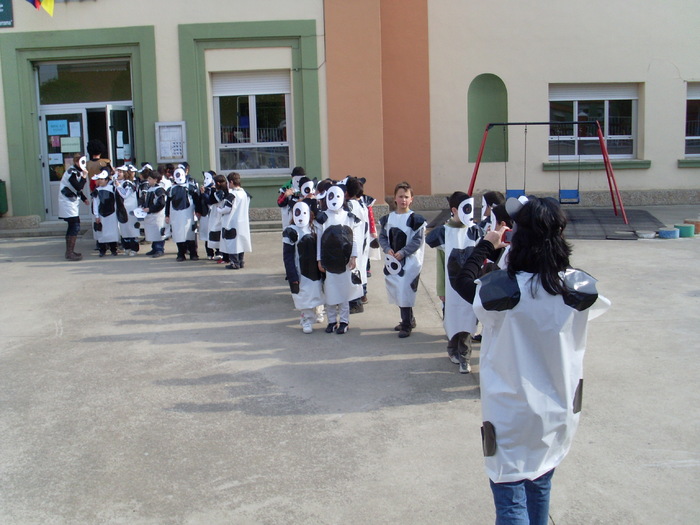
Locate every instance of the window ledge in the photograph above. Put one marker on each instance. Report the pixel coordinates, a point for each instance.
(689, 163)
(633, 164)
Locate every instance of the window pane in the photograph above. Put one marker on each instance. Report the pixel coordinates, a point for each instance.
(84, 82)
(589, 147)
(620, 146)
(692, 147)
(561, 111)
(620, 115)
(692, 118)
(271, 114)
(254, 158)
(234, 113)
(590, 111)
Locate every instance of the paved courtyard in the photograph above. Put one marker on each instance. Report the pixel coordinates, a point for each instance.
(146, 391)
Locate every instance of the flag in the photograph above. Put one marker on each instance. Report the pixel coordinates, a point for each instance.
(35, 3)
(47, 5)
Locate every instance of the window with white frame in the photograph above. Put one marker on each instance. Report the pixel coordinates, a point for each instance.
(251, 113)
(614, 106)
(692, 120)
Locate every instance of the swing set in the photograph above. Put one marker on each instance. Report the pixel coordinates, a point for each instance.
(566, 195)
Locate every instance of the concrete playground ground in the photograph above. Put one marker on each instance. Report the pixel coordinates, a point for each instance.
(146, 391)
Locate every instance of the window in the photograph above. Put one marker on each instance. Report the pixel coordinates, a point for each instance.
(613, 105)
(692, 121)
(71, 82)
(251, 114)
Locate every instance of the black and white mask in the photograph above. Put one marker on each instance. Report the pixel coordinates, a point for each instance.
(301, 214)
(335, 198)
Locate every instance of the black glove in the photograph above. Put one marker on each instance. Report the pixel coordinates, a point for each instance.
(294, 287)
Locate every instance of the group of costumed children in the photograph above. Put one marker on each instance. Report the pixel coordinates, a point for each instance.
(329, 230)
(127, 201)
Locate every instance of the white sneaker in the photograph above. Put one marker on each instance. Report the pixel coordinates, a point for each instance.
(464, 368)
(132, 253)
(306, 327)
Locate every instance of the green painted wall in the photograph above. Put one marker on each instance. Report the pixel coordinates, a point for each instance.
(18, 52)
(487, 102)
(300, 36)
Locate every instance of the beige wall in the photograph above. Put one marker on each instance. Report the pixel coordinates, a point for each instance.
(532, 44)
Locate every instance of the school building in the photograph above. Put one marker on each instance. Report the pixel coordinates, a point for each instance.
(389, 90)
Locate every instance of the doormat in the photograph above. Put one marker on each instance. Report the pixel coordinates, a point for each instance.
(602, 223)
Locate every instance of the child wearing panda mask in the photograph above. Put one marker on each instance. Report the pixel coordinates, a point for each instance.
(204, 209)
(339, 233)
(402, 241)
(182, 203)
(455, 240)
(300, 264)
(104, 209)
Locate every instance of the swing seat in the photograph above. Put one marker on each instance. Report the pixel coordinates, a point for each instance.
(569, 197)
(515, 193)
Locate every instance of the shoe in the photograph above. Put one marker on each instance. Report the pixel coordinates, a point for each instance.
(180, 258)
(404, 333)
(220, 261)
(319, 317)
(330, 328)
(210, 257)
(369, 274)
(232, 266)
(152, 252)
(114, 254)
(102, 254)
(364, 299)
(464, 367)
(453, 358)
(194, 257)
(399, 326)
(132, 253)
(217, 257)
(357, 309)
(306, 327)
(158, 254)
(342, 328)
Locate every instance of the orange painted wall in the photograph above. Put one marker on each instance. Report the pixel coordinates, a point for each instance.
(354, 87)
(406, 94)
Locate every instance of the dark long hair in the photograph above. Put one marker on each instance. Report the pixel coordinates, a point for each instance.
(538, 245)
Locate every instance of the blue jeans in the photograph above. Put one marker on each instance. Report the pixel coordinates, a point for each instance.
(523, 502)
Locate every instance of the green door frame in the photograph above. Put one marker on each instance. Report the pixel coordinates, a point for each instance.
(18, 54)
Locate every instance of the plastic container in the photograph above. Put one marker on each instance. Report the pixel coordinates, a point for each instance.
(685, 230)
(668, 233)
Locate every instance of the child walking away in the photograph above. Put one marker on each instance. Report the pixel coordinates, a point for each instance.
(127, 202)
(153, 203)
(69, 197)
(104, 208)
(299, 255)
(180, 209)
(337, 251)
(454, 241)
(402, 241)
(235, 224)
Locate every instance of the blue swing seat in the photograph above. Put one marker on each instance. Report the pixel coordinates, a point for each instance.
(569, 197)
(514, 193)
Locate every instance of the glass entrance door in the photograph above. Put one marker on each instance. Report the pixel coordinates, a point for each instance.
(63, 135)
(120, 125)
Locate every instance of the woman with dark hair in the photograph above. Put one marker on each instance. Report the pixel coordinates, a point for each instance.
(535, 316)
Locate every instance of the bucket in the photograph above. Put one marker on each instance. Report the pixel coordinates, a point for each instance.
(668, 233)
(685, 230)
